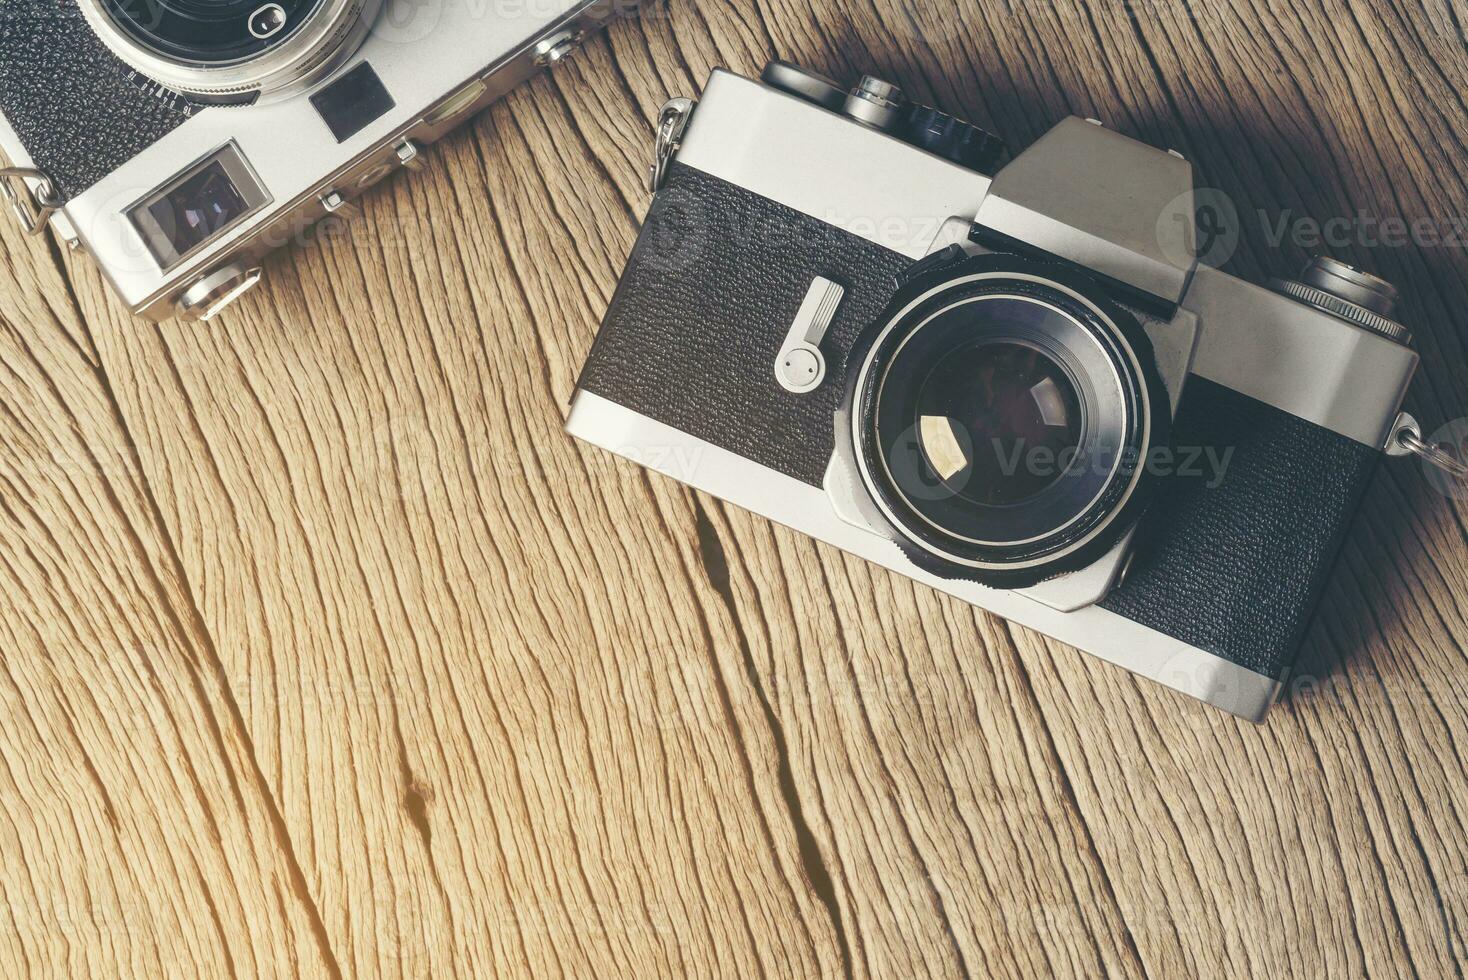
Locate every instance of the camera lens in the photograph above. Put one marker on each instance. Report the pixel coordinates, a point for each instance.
(1002, 416)
(210, 32)
(233, 52)
(986, 406)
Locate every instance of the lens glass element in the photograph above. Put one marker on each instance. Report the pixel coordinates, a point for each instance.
(1002, 420)
(210, 32)
(998, 421)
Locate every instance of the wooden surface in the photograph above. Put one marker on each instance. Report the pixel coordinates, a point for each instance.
(325, 652)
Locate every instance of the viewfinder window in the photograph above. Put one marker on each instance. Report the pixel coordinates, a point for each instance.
(204, 202)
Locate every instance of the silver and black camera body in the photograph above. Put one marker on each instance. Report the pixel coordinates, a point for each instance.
(1015, 384)
(179, 141)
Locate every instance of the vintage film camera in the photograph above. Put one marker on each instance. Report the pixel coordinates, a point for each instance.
(1015, 384)
(179, 141)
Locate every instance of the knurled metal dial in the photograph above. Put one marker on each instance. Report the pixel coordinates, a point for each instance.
(1348, 293)
(950, 137)
(1358, 315)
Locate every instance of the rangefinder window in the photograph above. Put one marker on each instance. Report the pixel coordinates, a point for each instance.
(205, 201)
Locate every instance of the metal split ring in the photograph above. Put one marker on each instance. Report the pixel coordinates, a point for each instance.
(32, 207)
(1407, 439)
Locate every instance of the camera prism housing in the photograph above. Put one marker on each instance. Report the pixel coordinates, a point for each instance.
(179, 142)
(1015, 383)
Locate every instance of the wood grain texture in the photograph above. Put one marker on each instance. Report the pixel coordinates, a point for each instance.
(326, 652)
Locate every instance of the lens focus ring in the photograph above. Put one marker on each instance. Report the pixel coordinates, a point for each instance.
(1001, 417)
(235, 50)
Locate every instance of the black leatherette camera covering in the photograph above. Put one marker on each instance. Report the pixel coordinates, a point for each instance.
(74, 106)
(705, 302)
(1236, 568)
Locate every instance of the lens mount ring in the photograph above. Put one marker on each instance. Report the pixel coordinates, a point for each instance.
(286, 63)
(1087, 347)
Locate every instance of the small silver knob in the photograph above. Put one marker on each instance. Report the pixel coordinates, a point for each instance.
(335, 202)
(876, 103)
(409, 154)
(208, 295)
(557, 48)
(874, 89)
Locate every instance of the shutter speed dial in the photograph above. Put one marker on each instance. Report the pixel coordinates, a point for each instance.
(881, 105)
(953, 139)
(1348, 293)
